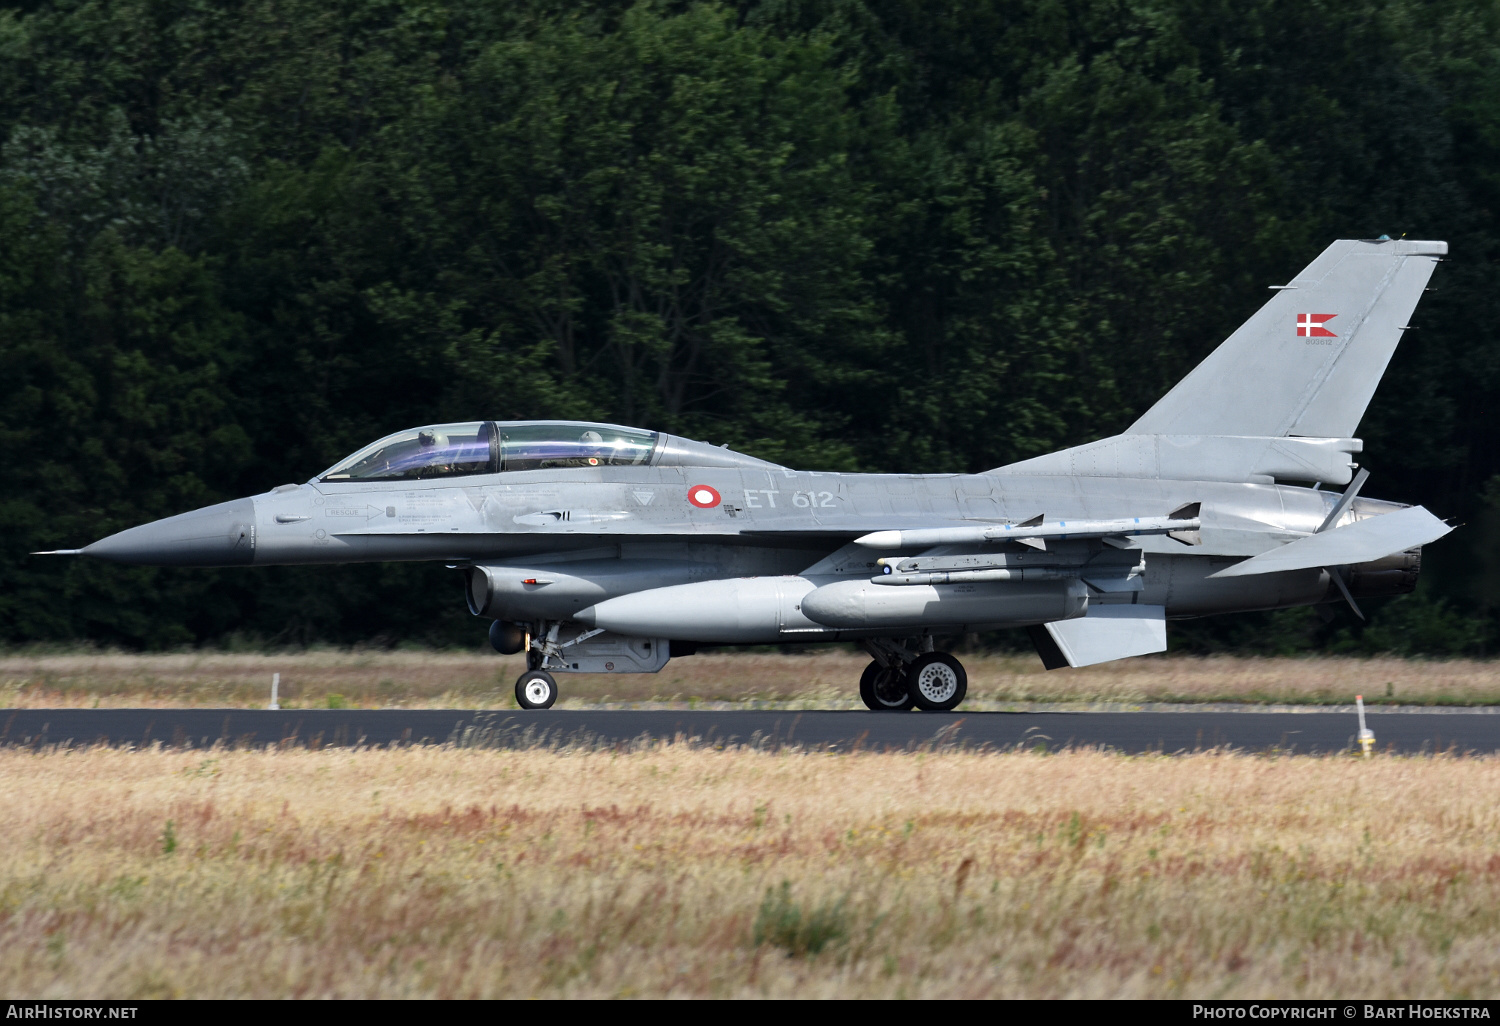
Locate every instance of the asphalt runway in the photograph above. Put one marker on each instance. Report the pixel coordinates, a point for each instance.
(1404, 732)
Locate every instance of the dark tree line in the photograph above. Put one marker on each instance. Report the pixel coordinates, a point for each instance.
(238, 240)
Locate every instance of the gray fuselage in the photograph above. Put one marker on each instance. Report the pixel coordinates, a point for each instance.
(766, 521)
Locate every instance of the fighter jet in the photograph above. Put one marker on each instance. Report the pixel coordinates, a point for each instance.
(599, 548)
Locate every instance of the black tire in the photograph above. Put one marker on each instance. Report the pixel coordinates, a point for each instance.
(884, 689)
(535, 689)
(937, 682)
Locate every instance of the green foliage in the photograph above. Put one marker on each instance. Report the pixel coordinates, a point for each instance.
(243, 239)
(1280, 632)
(1416, 624)
(796, 927)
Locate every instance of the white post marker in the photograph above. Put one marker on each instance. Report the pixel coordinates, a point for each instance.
(1366, 736)
(276, 683)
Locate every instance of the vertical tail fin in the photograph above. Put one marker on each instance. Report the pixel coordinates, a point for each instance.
(1308, 361)
(1281, 397)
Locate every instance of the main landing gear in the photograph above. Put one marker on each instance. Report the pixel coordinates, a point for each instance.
(900, 678)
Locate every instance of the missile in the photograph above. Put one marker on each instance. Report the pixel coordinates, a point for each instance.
(1183, 522)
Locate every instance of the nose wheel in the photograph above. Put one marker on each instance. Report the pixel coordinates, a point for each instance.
(535, 689)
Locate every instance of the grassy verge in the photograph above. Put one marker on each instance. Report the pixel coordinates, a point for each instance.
(673, 870)
(819, 679)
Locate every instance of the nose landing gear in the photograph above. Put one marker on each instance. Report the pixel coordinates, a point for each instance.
(536, 688)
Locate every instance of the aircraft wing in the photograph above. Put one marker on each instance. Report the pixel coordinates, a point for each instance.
(1360, 542)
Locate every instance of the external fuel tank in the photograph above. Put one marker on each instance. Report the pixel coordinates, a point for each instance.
(750, 610)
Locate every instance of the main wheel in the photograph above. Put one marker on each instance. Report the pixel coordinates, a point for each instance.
(883, 688)
(937, 681)
(535, 689)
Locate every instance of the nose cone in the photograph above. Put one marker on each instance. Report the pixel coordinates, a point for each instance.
(222, 535)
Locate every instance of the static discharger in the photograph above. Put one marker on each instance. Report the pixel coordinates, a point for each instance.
(1366, 736)
(275, 686)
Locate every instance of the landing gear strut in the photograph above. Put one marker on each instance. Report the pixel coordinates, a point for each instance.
(901, 678)
(536, 688)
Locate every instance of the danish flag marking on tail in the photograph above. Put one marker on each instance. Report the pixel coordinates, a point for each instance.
(1311, 326)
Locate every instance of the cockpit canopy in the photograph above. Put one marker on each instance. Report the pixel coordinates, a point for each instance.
(491, 447)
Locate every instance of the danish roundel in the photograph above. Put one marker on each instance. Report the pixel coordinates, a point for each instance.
(703, 497)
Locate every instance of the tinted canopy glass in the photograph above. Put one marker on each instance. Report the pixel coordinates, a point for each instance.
(542, 445)
(438, 450)
(486, 447)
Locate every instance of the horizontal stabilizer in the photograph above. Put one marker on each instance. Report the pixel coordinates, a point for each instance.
(1106, 633)
(1360, 542)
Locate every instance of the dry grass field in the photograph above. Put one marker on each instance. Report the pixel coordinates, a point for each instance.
(683, 871)
(822, 678)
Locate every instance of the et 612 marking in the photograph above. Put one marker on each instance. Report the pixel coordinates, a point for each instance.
(815, 500)
(765, 498)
